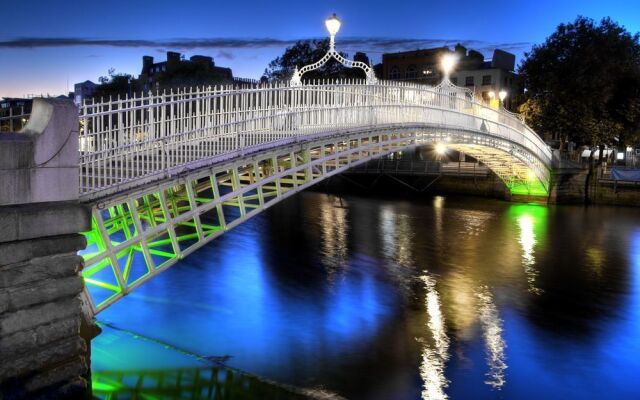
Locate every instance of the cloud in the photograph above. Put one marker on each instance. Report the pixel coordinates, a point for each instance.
(377, 43)
(226, 55)
(367, 44)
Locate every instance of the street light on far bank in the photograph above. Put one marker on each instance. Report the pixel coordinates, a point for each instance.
(494, 102)
(503, 95)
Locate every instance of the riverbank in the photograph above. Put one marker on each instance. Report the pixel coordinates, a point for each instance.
(569, 187)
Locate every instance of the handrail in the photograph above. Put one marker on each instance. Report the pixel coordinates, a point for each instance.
(130, 138)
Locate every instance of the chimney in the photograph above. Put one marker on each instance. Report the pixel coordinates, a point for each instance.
(460, 50)
(147, 62)
(173, 59)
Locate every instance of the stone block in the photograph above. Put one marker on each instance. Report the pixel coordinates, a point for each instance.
(11, 322)
(15, 252)
(58, 266)
(41, 163)
(25, 341)
(30, 221)
(48, 357)
(44, 291)
(69, 371)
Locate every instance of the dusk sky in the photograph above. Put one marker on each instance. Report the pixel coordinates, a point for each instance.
(47, 46)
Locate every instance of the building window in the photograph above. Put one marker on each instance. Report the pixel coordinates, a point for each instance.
(486, 79)
(394, 73)
(411, 72)
(469, 81)
(454, 81)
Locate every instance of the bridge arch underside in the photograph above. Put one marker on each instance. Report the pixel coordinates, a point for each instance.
(521, 171)
(138, 234)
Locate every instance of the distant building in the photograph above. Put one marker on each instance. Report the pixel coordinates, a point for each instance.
(472, 71)
(16, 103)
(83, 90)
(14, 113)
(151, 72)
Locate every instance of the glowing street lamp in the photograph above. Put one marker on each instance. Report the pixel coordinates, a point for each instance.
(531, 176)
(502, 95)
(333, 26)
(441, 149)
(448, 62)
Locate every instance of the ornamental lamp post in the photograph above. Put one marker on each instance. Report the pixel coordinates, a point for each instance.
(333, 26)
(448, 62)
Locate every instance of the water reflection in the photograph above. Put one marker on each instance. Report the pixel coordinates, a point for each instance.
(214, 382)
(323, 292)
(434, 356)
(492, 332)
(397, 237)
(333, 215)
(529, 217)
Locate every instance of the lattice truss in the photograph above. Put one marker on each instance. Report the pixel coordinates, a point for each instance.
(135, 237)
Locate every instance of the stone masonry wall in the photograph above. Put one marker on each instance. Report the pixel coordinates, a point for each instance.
(42, 353)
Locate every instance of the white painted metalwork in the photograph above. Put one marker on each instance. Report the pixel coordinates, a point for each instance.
(141, 233)
(333, 26)
(126, 142)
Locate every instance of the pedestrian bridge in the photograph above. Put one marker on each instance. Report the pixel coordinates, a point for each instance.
(166, 173)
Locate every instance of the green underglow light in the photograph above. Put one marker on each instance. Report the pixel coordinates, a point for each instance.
(529, 189)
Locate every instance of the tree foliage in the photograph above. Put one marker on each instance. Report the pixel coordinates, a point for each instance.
(114, 84)
(583, 83)
(304, 53)
(190, 74)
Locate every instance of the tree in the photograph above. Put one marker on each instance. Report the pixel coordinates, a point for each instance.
(191, 74)
(304, 53)
(113, 85)
(583, 83)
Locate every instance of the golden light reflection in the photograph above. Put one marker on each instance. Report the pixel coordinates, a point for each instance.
(438, 211)
(492, 332)
(527, 240)
(434, 356)
(459, 303)
(397, 236)
(595, 259)
(334, 235)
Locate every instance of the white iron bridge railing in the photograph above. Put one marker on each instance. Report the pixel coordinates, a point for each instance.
(139, 139)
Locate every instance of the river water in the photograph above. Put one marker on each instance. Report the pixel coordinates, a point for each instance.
(400, 298)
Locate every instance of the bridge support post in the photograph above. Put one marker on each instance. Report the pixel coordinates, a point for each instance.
(42, 352)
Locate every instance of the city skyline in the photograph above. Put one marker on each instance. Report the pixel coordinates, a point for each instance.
(49, 55)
